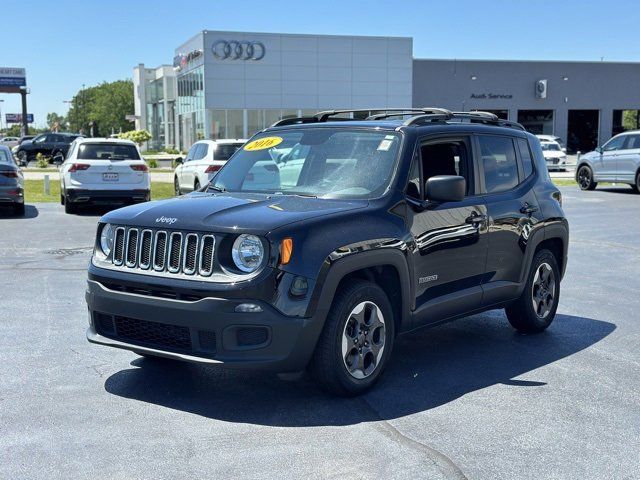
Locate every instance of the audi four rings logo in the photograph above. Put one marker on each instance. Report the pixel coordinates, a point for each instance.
(234, 50)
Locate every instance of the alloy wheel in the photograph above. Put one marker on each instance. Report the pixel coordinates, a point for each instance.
(543, 290)
(363, 339)
(584, 178)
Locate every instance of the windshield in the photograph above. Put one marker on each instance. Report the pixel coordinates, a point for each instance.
(322, 162)
(107, 151)
(225, 150)
(550, 146)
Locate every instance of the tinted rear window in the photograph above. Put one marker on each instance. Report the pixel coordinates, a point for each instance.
(107, 151)
(5, 157)
(224, 152)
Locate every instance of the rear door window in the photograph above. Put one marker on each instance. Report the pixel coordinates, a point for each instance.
(201, 151)
(499, 163)
(525, 155)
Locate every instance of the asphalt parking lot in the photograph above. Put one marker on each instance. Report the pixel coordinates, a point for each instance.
(470, 399)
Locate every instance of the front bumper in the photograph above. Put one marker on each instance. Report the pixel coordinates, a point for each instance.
(207, 330)
(76, 195)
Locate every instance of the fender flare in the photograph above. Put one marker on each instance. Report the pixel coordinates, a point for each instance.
(333, 271)
(547, 232)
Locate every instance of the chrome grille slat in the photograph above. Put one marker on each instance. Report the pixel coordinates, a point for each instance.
(170, 252)
(160, 251)
(175, 252)
(205, 256)
(190, 254)
(131, 251)
(118, 246)
(146, 243)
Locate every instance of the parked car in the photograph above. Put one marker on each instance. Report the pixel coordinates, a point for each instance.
(202, 162)
(555, 158)
(103, 171)
(11, 182)
(14, 149)
(53, 145)
(390, 224)
(553, 138)
(9, 141)
(618, 161)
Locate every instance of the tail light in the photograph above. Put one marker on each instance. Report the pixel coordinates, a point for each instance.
(11, 174)
(212, 168)
(140, 168)
(77, 167)
(558, 197)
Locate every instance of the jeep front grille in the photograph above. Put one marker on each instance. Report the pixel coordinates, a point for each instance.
(164, 251)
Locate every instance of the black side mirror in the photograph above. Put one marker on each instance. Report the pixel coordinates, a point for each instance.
(445, 188)
(177, 161)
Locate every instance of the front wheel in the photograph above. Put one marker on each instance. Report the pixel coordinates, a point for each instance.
(23, 160)
(196, 186)
(536, 308)
(176, 187)
(356, 341)
(585, 178)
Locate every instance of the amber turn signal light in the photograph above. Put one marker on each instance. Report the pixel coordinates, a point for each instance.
(286, 249)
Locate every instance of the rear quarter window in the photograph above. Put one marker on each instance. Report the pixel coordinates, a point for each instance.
(525, 155)
(498, 163)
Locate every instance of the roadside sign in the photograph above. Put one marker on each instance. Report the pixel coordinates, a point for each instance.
(11, 79)
(17, 117)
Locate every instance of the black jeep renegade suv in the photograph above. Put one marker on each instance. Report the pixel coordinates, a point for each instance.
(322, 239)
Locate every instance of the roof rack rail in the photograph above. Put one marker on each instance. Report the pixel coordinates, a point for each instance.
(325, 115)
(293, 121)
(473, 117)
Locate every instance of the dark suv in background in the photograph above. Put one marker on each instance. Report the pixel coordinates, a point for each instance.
(320, 241)
(52, 145)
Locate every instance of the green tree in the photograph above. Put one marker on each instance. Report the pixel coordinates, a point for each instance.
(630, 120)
(106, 105)
(53, 120)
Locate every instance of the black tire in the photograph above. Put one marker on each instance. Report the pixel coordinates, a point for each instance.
(584, 177)
(23, 158)
(70, 207)
(176, 187)
(61, 199)
(328, 364)
(19, 209)
(196, 186)
(525, 315)
(636, 186)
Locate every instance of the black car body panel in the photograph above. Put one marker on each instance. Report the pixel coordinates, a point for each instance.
(48, 144)
(436, 261)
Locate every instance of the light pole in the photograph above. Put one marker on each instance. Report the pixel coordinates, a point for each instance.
(1, 101)
(69, 105)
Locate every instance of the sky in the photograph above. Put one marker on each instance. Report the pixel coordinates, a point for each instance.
(65, 44)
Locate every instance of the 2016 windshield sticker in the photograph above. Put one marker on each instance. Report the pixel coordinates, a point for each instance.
(262, 143)
(385, 144)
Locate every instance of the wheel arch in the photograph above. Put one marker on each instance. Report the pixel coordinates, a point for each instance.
(385, 267)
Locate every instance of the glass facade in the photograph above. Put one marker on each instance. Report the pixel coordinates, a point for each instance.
(231, 123)
(160, 107)
(191, 106)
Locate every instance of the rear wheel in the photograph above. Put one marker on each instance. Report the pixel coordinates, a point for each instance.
(636, 186)
(61, 198)
(69, 207)
(585, 178)
(536, 308)
(356, 341)
(196, 186)
(176, 187)
(22, 158)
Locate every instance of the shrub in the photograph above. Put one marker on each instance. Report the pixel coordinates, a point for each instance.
(42, 161)
(153, 163)
(137, 136)
(172, 151)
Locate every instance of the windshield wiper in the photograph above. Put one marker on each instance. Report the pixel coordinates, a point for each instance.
(216, 188)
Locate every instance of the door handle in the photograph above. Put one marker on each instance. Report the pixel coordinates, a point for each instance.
(475, 219)
(528, 208)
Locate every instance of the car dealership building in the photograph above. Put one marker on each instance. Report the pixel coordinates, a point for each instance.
(233, 84)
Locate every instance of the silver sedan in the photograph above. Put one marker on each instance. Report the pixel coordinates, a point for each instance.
(11, 182)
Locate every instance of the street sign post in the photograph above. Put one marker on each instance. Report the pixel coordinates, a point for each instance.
(17, 117)
(14, 80)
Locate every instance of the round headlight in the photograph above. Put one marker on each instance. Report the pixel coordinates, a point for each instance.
(106, 239)
(247, 253)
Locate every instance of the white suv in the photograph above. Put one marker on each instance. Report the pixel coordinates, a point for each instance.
(203, 161)
(103, 171)
(555, 158)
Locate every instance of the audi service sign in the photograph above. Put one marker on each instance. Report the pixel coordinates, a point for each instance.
(11, 79)
(17, 117)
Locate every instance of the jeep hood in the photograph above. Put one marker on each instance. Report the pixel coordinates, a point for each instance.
(229, 212)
